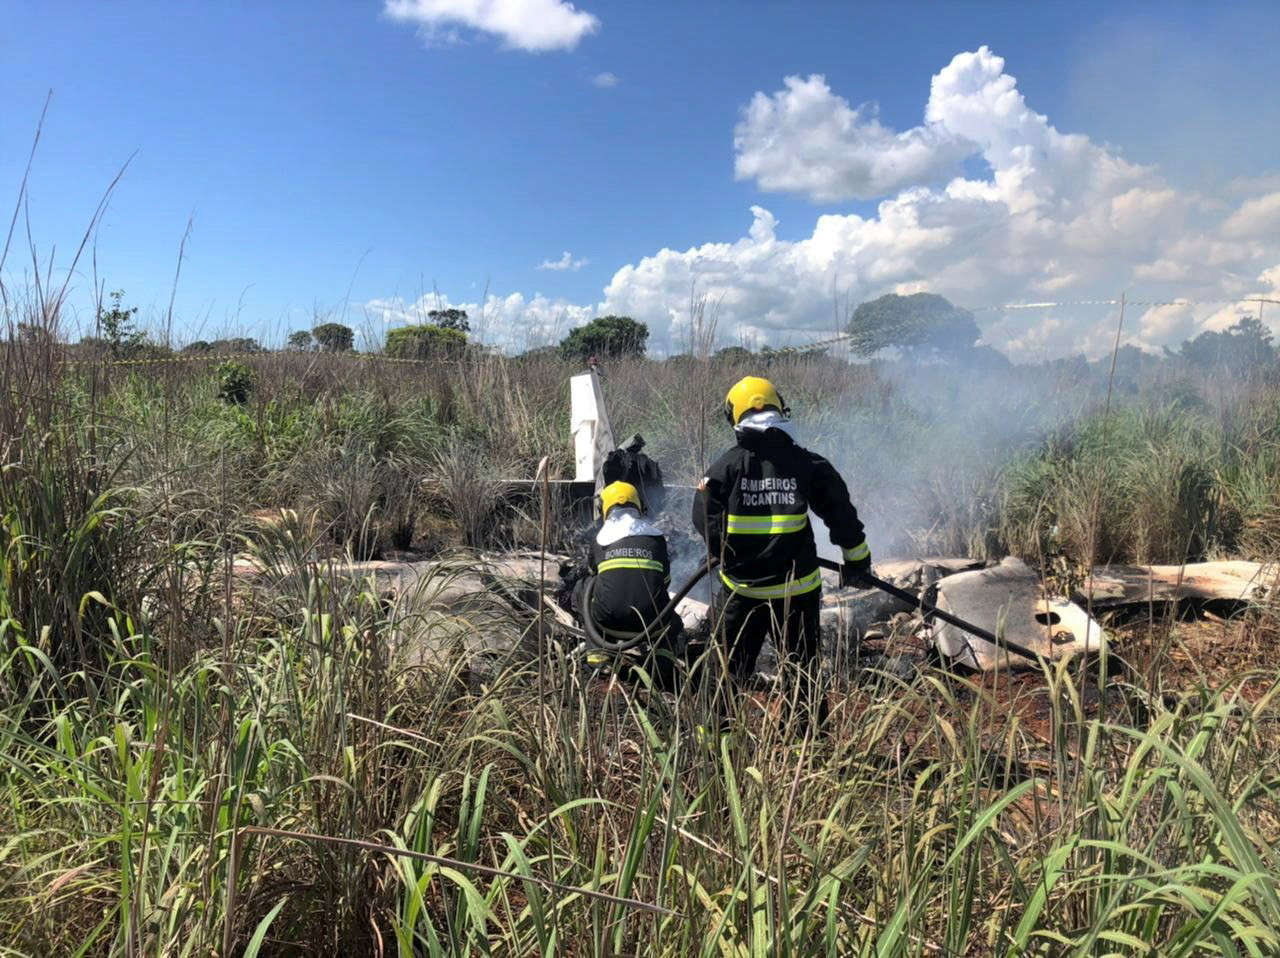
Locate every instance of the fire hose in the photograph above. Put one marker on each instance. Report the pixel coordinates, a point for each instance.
(928, 611)
(626, 643)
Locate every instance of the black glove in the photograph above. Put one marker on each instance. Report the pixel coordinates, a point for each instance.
(854, 571)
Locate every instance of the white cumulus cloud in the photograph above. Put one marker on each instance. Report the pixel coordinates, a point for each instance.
(805, 139)
(1257, 218)
(1058, 217)
(536, 26)
(565, 262)
(1053, 217)
(605, 81)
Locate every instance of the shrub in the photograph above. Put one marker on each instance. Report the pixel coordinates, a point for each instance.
(1138, 486)
(425, 342)
(344, 490)
(236, 344)
(235, 382)
(118, 330)
(469, 487)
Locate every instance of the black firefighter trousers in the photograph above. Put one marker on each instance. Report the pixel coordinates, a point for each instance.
(793, 625)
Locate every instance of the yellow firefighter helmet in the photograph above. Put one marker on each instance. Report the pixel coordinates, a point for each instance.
(752, 394)
(617, 494)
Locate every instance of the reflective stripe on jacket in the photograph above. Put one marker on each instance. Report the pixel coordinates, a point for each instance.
(651, 565)
(753, 510)
(788, 589)
(630, 590)
(770, 525)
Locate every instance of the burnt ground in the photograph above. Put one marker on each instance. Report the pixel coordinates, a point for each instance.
(1183, 660)
(1203, 647)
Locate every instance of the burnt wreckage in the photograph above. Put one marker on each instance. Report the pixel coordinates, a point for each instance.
(978, 617)
(968, 613)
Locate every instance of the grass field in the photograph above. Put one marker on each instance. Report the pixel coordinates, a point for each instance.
(195, 764)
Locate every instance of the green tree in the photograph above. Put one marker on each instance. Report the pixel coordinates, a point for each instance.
(334, 337)
(606, 337)
(198, 346)
(425, 342)
(117, 328)
(450, 319)
(920, 324)
(301, 339)
(236, 344)
(1242, 349)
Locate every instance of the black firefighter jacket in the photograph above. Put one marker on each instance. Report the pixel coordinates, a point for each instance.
(753, 511)
(632, 574)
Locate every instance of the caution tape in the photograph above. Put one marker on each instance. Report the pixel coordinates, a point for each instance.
(1128, 302)
(165, 361)
(1075, 302)
(1260, 300)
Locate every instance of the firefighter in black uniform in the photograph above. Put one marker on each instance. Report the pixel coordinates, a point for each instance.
(752, 509)
(629, 573)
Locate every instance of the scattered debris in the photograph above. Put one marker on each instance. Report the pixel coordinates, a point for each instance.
(875, 665)
(866, 632)
(1009, 600)
(914, 573)
(589, 423)
(1114, 587)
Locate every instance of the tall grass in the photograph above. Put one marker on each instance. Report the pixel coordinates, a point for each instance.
(191, 809)
(198, 762)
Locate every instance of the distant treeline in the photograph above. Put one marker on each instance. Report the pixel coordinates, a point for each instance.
(921, 327)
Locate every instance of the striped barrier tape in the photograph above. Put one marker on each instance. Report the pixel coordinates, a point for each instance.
(1259, 300)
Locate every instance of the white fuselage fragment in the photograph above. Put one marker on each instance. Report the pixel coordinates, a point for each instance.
(589, 422)
(1009, 600)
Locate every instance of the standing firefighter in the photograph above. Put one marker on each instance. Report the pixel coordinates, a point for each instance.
(629, 573)
(753, 511)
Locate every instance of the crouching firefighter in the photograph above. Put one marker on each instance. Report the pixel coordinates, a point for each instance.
(625, 591)
(752, 508)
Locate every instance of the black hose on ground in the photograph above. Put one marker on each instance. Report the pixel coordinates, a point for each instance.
(632, 641)
(933, 612)
(929, 611)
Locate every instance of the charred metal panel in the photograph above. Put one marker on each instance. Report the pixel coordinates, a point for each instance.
(1009, 600)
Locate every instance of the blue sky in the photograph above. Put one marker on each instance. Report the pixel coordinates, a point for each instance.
(332, 155)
